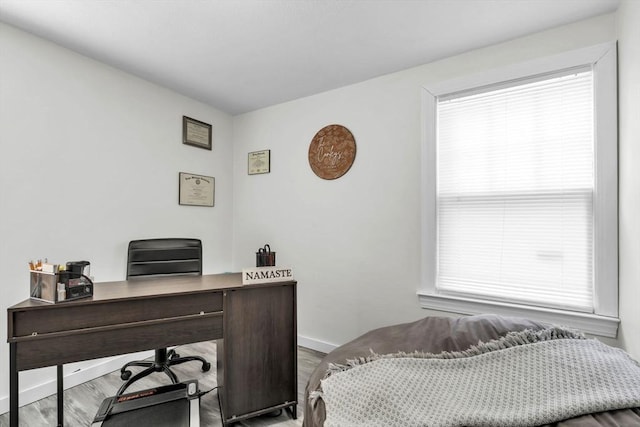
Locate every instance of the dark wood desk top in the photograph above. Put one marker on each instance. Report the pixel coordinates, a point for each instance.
(146, 286)
(150, 286)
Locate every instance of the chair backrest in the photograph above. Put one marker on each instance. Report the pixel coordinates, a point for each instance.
(164, 257)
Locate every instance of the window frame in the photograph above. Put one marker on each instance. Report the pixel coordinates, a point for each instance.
(604, 320)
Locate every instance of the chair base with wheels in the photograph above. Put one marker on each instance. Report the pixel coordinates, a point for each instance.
(162, 362)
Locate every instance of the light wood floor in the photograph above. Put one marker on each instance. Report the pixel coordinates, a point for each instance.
(81, 402)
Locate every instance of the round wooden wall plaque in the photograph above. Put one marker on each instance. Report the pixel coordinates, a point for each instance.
(332, 152)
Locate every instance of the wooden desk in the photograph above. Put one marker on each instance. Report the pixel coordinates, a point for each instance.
(255, 327)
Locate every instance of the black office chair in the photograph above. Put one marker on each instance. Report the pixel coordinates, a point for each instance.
(162, 257)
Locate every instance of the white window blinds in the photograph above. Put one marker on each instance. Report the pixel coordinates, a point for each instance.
(515, 184)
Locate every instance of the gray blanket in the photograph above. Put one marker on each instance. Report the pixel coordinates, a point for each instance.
(526, 378)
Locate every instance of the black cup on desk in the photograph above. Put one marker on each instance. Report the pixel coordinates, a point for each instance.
(265, 258)
(77, 273)
(79, 268)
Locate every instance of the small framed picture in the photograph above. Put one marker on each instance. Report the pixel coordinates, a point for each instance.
(259, 162)
(196, 190)
(196, 133)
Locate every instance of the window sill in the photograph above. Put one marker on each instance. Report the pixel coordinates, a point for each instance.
(588, 323)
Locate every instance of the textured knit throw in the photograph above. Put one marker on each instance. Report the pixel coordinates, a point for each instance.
(526, 378)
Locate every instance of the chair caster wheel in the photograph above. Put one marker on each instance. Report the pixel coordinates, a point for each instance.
(174, 356)
(125, 375)
(206, 366)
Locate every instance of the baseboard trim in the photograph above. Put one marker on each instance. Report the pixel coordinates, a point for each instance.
(314, 344)
(72, 379)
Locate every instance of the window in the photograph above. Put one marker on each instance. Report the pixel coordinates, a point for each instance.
(520, 192)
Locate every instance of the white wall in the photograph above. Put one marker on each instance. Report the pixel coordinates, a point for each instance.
(89, 160)
(354, 243)
(628, 17)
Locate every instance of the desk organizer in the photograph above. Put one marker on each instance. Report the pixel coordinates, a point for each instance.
(59, 287)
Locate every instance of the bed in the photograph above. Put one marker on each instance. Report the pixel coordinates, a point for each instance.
(430, 338)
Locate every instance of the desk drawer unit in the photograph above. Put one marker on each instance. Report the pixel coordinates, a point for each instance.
(257, 363)
(78, 330)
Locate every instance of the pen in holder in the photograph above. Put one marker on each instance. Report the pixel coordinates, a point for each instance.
(265, 258)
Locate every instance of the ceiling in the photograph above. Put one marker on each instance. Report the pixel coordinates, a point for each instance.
(242, 55)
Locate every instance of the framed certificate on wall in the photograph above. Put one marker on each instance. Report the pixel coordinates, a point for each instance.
(196, 190)
(196, 133)
(259, 162)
